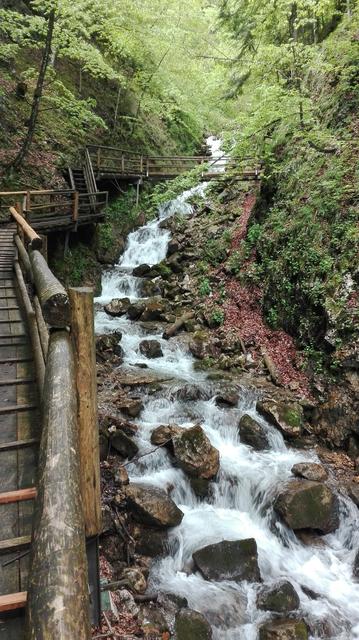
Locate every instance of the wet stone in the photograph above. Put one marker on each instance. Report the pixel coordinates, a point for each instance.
(117, 307)
(149, 541)
(281, 598)
(141, 271)
(229, 560)
(304, 504)
(194, 453)
(123, 444)
(353, 491)
(152, 506)
(192, 625)
(164, 433)
(252, 433)
(284, 630)
(151, 348)
(286, 416)
(135, 310)
(310, 471)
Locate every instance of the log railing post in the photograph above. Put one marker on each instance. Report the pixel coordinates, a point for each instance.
(75, 207)
(82, 331)
(58, 599)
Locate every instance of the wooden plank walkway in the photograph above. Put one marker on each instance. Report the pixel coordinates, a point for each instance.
(19, 437)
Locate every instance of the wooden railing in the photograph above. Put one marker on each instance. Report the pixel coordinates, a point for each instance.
(119, 162)
(67, 505)
(54, 207)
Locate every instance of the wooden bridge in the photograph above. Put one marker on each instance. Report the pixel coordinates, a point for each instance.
(83, 204)
(111, 162)
(49, 458)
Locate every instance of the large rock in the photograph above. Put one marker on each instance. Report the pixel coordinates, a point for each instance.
(353, 490)
(152, 506)
(282, 598)
(130, 406)
(286, 416)
(192, 625)
(284, 630)
(123, 444)
(150, 542)
(229, 560)
(142, 271)
(136, 309)
(252, 433)
(304, 504)
(164, 433)
(155, 310)
(151, 348)
(195, 454)
(117, 307)
(107, 345)
(309, 471)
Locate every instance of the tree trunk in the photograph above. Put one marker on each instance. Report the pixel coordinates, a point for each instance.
(37, 94)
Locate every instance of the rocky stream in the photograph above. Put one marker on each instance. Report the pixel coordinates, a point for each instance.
(219, 520)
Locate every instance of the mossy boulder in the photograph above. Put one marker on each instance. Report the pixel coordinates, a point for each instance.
(195, 455)
(229, 560)
(155, 310)
(192, 625)
(284, 629)
(252, 433)
(286, 416)
(152, 506)
(304, 504)
(136, 309)
(281, 598)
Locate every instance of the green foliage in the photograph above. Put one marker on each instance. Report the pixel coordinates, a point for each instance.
(204, 288)
(217, 317)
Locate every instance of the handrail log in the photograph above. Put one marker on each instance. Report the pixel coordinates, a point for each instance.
(23, 255)
(58, 605)
(53, 297)
(34, 238)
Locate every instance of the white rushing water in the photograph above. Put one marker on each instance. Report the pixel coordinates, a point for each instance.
(240, 502)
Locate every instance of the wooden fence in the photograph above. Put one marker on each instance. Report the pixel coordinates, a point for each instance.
(111, 161)
(67, 506)
(55, 208)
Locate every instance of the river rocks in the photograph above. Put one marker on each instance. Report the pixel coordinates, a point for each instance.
(130, 406)
(111, 422)
(152, 506)
(356, 565)
(190, 393)
(117, 307)
(150, 288)
(151, 349)
(107, 345)
(150, 542)
(124, 445)
(141, 271)
(136, 309)
(192, 625)
(284, 629)
(282, 598)
(229, 560)
(310, 471)
(288, 417)
(227, 399)
(154, 311)
(195, 454)
(353, 490)
(135, 579)
(304, 504)
(252, 433)
(164, 433)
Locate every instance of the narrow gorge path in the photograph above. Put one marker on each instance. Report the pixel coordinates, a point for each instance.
(239, 503)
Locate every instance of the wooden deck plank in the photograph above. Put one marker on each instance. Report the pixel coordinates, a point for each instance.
(13, 601)
(14, 544)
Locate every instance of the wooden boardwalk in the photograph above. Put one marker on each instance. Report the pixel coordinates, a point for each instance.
(50, 515)
(19, 437)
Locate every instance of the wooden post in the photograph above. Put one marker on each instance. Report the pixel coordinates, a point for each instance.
(75, 209)
(58, 599)
(82, 330)
(52, 295)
